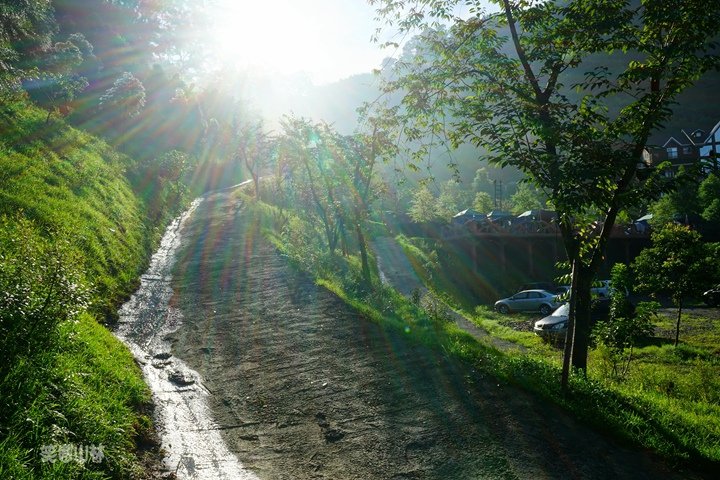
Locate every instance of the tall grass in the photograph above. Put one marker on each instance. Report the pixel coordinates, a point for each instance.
(73, 233)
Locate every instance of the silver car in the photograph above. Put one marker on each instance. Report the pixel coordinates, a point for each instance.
(554, 325)
(528, 301)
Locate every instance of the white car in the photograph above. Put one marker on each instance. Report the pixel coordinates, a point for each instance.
(553, 325)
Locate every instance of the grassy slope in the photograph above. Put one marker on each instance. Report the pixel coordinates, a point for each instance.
(85, 389)
(63, 179)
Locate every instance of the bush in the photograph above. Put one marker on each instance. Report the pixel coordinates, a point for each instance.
(617, 336)
(41, 286)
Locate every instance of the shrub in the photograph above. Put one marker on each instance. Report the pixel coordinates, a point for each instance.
(40, 285)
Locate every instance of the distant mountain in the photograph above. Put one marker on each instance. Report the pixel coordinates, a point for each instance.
(337, 103)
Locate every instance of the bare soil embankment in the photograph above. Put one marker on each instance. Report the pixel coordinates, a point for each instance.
(302, 387)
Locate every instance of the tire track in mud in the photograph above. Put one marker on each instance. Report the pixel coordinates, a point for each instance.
(303, 387)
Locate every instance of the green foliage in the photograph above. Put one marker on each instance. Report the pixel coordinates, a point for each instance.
(482, 203)
(454, 197)
(125, 96)
(709, 196)
(423, 206)
(618, 336)
(64, 180)
(59, 81)
(72, 235)
(25, 27)
(83, 390)
(162, 184)
(680, 203)
(330, 181)
(527, 197)
(41, 287)
(676, 264)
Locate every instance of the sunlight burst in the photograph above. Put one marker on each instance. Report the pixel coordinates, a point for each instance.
(283, 36)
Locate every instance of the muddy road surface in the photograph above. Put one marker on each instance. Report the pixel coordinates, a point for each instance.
(302, 387)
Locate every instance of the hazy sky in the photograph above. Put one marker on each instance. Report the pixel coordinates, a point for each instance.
(328, 39)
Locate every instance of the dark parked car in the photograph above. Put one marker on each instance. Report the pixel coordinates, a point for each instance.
(712, 296)
(528, 301)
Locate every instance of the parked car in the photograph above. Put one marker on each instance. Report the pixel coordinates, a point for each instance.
(561, 290)
(528, 301)
(555, 324)
(712, 296)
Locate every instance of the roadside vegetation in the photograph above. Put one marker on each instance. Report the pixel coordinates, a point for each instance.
(666, 398)
(75, 234)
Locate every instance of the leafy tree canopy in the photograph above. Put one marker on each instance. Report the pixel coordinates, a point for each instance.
(678, 264)
(26, 26)
(500, 81)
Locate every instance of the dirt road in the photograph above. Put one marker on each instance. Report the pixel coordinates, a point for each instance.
(304, 388)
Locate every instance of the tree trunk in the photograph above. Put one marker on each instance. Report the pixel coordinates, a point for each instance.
(581, 340)
(570, 333)
(363, 253)
(343, 236)
(677, 326)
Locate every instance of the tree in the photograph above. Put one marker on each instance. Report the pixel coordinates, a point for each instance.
(681, 203)
(527, 197)
(709, 197)
(58, 82)
(126, 95)
(423, 206)
(627, 325)
(26, 27)
(307, 150)
(482, 203)
(331, 180)
(522, 84)
(254, 149)
(362, 152)
(677, 264)
(453, 198)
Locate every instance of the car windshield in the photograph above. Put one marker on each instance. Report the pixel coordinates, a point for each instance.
(562, 311)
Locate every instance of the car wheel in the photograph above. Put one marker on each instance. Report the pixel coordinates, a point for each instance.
(545, 310)
(503, 309)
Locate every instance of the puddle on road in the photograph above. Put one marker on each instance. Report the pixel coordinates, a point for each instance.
(193, 446)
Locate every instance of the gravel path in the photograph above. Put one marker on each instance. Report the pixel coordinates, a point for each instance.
(301, 387)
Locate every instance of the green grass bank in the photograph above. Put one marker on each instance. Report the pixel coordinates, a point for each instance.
(75, 235)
